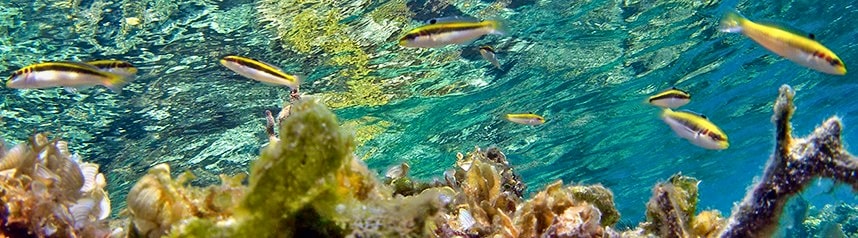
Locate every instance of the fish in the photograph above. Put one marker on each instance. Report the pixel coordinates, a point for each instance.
(64, 74)
(526, 119)
(805, 51)
(671, 98)
(443, 33)
(451, 19)
(260, 71)
(488, 53)
(695, 128)
(115, 66)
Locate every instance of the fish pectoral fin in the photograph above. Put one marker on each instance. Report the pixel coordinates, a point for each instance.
(76, 89)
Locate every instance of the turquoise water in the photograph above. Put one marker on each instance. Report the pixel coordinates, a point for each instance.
(586, 66)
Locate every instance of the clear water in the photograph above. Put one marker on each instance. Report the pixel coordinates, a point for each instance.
(586, 66)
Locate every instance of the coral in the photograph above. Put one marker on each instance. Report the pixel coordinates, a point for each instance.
(794, 164)
(157, 202)
(555, 212)
(670, 211)
(48, 192)
(298, 170)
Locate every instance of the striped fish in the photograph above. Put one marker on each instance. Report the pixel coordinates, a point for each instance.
(695, 128)
(115, 66)
(802, 50)
(526, 119)
(671, 98)
(260, 71)
(64, 74)
(444, 33)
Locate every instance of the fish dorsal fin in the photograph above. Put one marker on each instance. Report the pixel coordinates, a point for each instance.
(451, 19)
(696, 113)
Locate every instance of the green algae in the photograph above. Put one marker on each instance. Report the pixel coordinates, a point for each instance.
(296, 171)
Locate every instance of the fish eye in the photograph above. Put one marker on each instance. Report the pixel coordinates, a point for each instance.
(835, 62)
(433, 21)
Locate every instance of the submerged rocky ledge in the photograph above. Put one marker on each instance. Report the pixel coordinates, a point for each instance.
(308, 183)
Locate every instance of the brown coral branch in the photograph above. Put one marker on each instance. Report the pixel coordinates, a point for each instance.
(795, 162)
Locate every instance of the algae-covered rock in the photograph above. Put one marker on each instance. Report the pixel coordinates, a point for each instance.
(671, 211)
(296, 171)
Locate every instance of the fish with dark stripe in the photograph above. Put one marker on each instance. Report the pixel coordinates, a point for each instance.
(695, 128)
(260, 71)
(115, 66)
(671, 98)
(444, 33)
(64, 74)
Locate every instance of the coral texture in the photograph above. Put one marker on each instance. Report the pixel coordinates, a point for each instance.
(794, 163)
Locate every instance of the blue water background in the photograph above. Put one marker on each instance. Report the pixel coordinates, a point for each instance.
(586, 66)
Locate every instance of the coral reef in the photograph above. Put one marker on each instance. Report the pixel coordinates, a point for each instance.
(308, 183)
(670, 211)
(795, 162)
(47, 191)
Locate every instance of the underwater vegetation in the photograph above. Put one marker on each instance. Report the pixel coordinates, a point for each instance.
(307, 182)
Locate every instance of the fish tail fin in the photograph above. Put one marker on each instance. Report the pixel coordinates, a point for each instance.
(498, 27)
(115, 82)
(732, 23)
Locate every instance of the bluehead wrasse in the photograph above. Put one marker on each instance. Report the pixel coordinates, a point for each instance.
(446, 33)
(488, 53)
(802, 50)
(260, 71)
(64, 74)
(115, 66)
(526, 119)
(671, 98)
(695, 128)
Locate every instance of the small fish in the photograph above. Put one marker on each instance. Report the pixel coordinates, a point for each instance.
(526, 119)
(802, 50)
(260, 71)
(671, 98)
(695, 128)
(443, 33)
(116, 66)
(65, 74)
(488, 53)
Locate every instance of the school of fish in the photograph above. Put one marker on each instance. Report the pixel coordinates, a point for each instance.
(801, 49)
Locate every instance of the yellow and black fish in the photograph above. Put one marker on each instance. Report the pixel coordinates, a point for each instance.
(64, 74)
(115, 66)
(802, 50)
(695, 128)
(444, 33)
(671, 98)
(260, 71)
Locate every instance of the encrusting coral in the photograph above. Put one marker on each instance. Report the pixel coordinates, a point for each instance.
(670, 211)
(48, 192)
(793, 165)
(308, 183)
